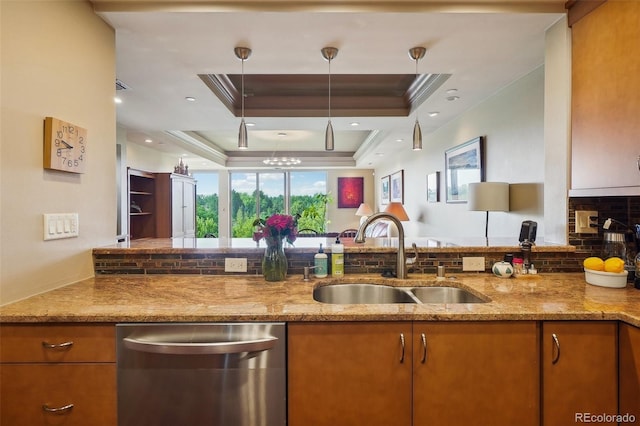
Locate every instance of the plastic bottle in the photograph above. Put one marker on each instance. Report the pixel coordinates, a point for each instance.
(320, 263)
(337, 259)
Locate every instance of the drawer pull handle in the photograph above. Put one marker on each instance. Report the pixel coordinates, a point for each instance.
(556, 343)
(59, 410)
(423, 338)
(402, 344)
(64, 345)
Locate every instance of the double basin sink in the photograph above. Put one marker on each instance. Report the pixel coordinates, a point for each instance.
(371, 293)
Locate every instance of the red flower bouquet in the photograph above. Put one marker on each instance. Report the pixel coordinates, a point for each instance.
(276, 228)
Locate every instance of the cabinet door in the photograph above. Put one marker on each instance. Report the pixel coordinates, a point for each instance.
(579, 370)
(629, 347)
(28, 391)
(605, 101)
(343, 374)
(177, 208)
(189, 210)
(476, 373)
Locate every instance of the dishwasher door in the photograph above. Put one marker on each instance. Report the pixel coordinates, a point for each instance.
(231, 374)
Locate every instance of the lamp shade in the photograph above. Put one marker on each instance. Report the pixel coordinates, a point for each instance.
(488, 196)
(397, 210)
(364, 210)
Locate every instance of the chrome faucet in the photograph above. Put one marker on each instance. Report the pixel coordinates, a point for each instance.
(401, 267)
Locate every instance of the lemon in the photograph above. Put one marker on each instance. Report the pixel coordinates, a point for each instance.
(614, 264)
(593, 263)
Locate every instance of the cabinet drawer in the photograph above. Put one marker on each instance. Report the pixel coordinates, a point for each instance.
(71, 343)
(25, 388)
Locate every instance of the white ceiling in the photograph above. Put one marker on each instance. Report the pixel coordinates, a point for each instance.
(161, 48)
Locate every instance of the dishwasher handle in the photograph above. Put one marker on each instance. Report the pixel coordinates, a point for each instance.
(200, 348)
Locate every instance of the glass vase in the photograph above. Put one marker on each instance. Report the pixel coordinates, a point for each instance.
(274, 262)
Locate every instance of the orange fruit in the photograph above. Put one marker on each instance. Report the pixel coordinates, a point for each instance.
(614, 264)
(593, 263)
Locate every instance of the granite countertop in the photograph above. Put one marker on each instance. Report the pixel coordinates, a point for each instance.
(311, 244)
(179, 298)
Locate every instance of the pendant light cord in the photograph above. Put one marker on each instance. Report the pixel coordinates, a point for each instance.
(242, 84)
(329, 88)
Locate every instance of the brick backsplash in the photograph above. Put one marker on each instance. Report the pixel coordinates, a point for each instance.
(623, 209)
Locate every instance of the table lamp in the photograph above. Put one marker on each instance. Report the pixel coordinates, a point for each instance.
(488, 197)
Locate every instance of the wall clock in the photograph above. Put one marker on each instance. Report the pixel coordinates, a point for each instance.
(65, 146)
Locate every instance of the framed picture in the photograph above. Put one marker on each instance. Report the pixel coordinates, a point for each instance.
(396, 187)
(384, 190)
(350, 192)
(433, 187)
(463, 165)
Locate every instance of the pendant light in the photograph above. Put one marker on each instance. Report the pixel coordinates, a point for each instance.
(243, 54)
(329, 53)
(417, 53)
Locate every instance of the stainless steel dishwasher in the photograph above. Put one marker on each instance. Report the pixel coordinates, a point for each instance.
(231, 374)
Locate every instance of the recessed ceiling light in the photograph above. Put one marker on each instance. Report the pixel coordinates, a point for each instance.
(453, 98)
(148, 140)
(399, 140)
(433, 113)
(379, 154)
(190, 99)
(117, 100)
(250, 124)
(355, 123)
(282, 134)
(451, 91)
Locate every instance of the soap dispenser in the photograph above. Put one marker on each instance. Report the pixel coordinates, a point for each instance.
(337, 258)
(320, 263)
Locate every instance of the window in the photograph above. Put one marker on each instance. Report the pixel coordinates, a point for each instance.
(206, 204)
(262, 194)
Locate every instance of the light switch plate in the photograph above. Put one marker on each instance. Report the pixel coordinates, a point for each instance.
(586, 222)
(60, 225)
(472, 264)
(235, 264)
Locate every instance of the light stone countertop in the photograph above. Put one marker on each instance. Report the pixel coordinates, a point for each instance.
(208, 298)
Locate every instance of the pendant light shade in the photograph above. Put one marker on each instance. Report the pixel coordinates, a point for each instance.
(328, 137)
(417, 137)
(243, 54)
(417, 53)
(329, 53)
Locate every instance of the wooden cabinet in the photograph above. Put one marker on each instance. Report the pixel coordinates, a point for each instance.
(359, 373)
(141, 189)
(58, 374)
(605, 101)
(469, 373)
(629, 368)
(349, 374)
(176, 198)
(579, 370)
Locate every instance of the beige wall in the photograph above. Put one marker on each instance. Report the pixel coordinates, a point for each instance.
(58, 59)
(512, 122)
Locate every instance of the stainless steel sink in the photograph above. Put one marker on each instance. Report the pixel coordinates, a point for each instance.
(368, 293)
(445, 295)
(361, 293)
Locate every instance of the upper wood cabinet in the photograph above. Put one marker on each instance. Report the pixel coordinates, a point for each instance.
(605, 110)
(141, 190)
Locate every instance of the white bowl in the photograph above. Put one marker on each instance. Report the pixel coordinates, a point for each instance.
(606, 279)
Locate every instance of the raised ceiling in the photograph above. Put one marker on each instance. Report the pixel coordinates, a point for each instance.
(162, 47)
